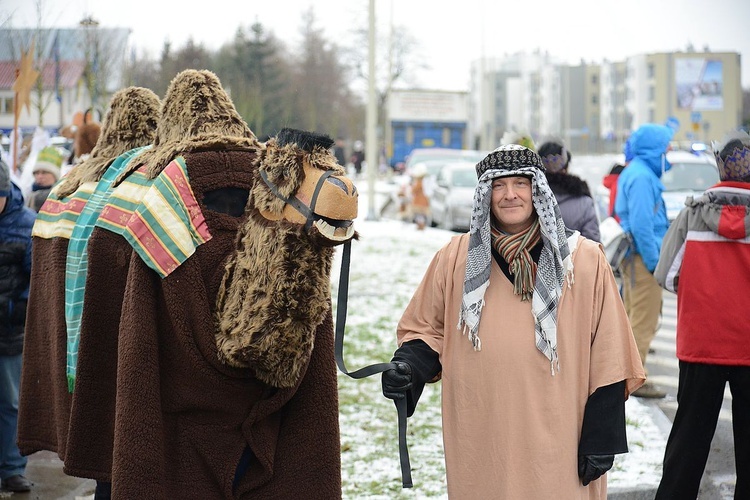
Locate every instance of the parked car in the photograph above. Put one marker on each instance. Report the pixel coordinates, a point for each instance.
(691, 174)
(453, 196)
(431, 159)
(420, 155)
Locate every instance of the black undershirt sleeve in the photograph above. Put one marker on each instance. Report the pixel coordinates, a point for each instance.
(603, 429)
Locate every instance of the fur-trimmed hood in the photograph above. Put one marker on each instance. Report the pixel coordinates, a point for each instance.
(569, 184)
(196, 114)
(130, 123)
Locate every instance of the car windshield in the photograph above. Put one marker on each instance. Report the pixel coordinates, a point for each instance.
(690, 177)
(445, 156)
(464, 178)
(434, 166)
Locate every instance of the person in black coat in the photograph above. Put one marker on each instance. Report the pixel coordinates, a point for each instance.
(572, 193)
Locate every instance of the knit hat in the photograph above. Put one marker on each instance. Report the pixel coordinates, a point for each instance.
(49, 160)
(4, 180)
(520, 138)
(733, 159)
(510, 158)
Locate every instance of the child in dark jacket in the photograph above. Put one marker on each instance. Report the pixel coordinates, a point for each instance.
(16, 222)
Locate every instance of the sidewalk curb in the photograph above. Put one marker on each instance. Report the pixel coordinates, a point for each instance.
(644, 493)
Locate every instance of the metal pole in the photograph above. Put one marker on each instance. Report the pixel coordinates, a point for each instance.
(371, 146)
(16, 138)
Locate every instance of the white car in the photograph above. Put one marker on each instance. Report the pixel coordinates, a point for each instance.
(453, 197)
(691, 174)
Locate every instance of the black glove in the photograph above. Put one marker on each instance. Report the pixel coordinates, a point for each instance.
(417, 365)
(591, 467)
(397, 381)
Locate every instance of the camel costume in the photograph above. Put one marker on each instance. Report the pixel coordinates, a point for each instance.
(45, 399)
(218, 320)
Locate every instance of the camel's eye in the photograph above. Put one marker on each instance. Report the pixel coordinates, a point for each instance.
(339, 183)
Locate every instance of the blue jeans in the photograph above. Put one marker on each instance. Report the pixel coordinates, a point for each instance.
(11, 461)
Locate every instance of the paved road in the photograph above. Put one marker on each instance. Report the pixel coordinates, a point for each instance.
(44, 469)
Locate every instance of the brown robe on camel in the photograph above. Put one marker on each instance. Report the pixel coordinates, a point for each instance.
(45, 401)
(187, 425)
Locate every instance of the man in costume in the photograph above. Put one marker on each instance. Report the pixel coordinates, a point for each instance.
(534, 393)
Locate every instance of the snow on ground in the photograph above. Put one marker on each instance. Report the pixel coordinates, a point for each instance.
(387, 264)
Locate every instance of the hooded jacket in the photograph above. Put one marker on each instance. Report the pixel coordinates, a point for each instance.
(705, 257)
(16, 222)
(639, 202)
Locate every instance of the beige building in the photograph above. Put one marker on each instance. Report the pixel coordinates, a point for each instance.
(702, 90)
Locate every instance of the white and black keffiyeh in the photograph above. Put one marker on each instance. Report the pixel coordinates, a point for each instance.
(555, 263)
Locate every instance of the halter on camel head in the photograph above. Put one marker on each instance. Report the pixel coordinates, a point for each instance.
(317, 195)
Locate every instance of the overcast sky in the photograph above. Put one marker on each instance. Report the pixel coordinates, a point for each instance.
(450, 34)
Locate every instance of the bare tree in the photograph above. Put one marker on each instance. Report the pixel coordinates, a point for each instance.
(321, 83)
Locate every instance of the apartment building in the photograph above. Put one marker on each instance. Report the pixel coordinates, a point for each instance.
(594, 107)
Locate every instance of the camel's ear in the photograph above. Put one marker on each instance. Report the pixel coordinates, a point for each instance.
(302, 139)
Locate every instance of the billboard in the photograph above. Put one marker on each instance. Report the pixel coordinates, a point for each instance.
(427, 105)
(699, 84)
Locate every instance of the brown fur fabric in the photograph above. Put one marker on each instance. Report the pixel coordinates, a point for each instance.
(196, 114)
(129, 123)
(266, 320)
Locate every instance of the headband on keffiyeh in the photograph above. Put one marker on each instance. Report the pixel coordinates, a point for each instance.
(555, 263)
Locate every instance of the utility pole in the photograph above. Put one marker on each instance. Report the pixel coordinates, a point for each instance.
(371, 146)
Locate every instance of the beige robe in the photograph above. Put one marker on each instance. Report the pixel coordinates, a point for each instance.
(511, 428)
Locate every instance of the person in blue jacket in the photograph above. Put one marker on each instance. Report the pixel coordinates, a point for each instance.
(643, 214)
(16, 221)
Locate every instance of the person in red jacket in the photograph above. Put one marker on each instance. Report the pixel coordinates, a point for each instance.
(706, 252)
(610, 182)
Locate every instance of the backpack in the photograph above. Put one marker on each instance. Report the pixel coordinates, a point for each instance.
(616, 242)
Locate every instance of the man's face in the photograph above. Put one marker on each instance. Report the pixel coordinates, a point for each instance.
(3, 202)
(512, 205)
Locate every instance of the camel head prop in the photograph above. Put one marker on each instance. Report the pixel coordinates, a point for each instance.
(301, 183)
